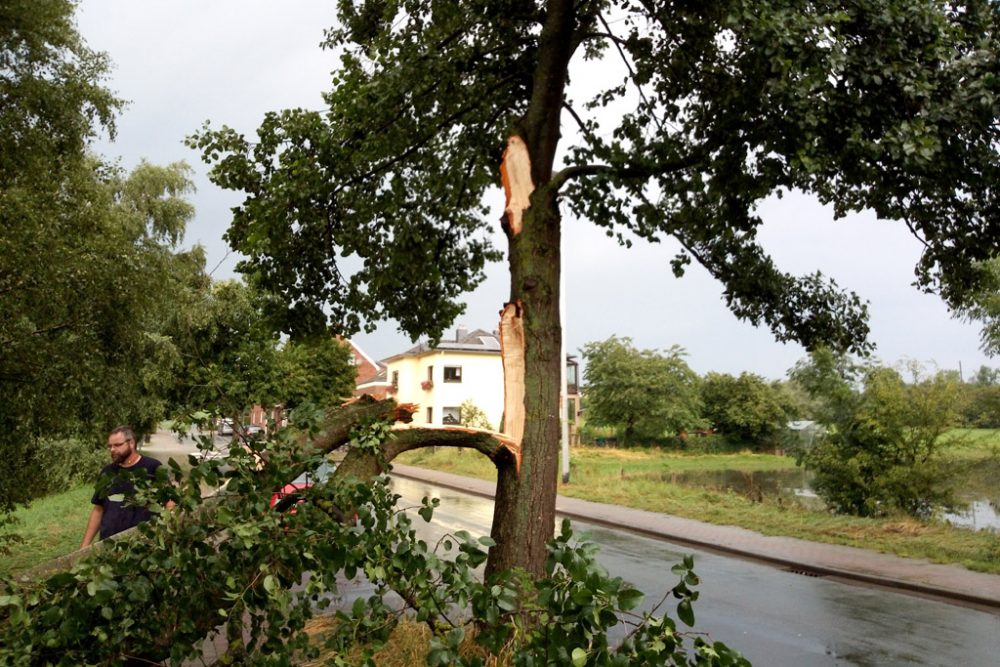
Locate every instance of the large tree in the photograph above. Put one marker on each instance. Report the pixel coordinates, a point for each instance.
(643, 394)
(88, 253)
(704, 111)
(747, 407)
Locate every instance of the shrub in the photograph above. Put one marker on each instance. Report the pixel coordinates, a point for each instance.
(62, 464)
(881, 453)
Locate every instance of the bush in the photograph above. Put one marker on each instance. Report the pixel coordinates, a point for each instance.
(881, 454)
(63, 464)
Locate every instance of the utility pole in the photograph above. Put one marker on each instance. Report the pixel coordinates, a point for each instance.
(563, 393)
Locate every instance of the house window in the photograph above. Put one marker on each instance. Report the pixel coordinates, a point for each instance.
(451, 416)
(395, 379)
(430, 415)
(430, 374)
(452, 373)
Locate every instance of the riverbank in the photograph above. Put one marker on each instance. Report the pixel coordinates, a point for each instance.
(641, 479)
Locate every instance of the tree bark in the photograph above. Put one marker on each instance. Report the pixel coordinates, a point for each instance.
(524, 515)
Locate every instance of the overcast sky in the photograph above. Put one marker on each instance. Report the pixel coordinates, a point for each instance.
(182, 62)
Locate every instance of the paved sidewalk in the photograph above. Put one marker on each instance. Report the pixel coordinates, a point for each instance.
(951, 583)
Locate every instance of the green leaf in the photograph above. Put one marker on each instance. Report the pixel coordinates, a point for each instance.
(630, 598)
(685, 612)
(579, 657)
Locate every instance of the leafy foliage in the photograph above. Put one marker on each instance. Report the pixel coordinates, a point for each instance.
(745, 407)
(227, 358)
(88, 256)
(238, 568)
(981, 404)
(320, 370)
(983, 306)
(863, 104)
(474, 417)
(643, 393)
(88, 287)
(881, 453)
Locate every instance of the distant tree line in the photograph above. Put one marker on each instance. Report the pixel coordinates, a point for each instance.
(876, 447)
(653, 397)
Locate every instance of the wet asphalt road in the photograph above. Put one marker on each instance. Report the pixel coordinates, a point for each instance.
(774, 617)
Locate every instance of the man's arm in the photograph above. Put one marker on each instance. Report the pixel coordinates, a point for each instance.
(93, 525)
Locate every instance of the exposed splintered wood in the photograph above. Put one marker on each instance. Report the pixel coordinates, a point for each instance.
(512, 353)
(515, 172)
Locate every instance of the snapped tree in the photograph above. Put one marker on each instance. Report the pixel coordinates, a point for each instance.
(887, 105)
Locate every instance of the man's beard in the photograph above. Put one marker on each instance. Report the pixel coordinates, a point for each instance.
(122, 458)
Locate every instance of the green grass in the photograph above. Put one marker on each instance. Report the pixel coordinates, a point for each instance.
(49, 527)
(599, 462)
(972, 443)
(634, 478)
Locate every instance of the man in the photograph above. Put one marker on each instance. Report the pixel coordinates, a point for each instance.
(113, 510)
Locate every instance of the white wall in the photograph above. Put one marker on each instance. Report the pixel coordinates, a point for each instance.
(482, 382)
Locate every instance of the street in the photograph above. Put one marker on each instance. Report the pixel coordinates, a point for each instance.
(774, 617)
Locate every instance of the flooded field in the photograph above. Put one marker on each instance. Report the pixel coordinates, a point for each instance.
(980, 490)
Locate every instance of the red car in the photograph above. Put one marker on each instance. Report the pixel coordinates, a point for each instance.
(285, 499)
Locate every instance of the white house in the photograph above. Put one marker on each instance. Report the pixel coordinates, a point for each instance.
(439, 379)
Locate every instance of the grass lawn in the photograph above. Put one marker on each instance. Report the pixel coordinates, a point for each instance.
(972, 443)
(50, 527)
(636, 478)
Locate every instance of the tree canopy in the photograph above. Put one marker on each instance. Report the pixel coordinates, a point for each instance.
(89, 257)
(746, 407)
(888, 106)
(643, 394)
(373, 207)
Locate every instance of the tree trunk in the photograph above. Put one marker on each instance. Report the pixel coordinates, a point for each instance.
(524, 512)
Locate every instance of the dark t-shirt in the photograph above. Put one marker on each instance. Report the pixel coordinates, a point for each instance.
(114, 492)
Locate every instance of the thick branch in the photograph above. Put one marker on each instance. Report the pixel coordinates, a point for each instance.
(365, 464)
(493, 445)
(341, 419)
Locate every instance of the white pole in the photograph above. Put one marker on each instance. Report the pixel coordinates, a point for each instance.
(563, 397)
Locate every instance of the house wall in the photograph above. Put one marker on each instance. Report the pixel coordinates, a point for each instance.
(482, 382)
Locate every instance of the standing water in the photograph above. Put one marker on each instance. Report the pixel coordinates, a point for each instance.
(979, 492)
